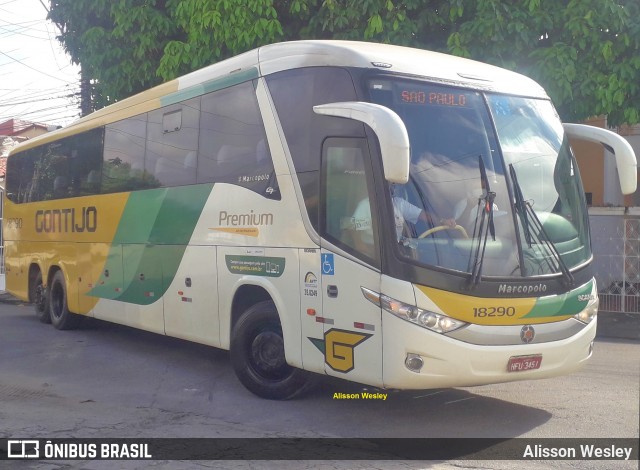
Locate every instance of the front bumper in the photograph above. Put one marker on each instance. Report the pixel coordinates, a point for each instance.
(450, 362)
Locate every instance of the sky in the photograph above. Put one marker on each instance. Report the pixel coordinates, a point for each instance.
(37, 78)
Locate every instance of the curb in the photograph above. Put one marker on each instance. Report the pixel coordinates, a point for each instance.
(618, 325)
(6, 298)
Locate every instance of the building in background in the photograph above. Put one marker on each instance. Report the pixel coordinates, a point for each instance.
(14, 131)
(20, 128)
(598, 168)
(615, 222)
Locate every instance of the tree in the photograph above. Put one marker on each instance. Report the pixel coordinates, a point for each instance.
(118, 44)
(584, 52)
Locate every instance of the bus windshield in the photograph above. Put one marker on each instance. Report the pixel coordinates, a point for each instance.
(498, 188)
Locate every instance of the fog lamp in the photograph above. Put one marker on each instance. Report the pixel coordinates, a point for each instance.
(413, 362)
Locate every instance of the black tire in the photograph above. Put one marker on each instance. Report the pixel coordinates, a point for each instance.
(257, 355)
(61, 317)
(40, 300)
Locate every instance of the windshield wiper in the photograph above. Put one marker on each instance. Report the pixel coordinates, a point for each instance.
(480, 228)
(520, 205)
(538, 235)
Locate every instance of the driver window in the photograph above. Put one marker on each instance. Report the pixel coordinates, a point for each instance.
(349, 221)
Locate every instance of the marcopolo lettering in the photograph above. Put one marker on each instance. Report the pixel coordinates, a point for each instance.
(251, 218)
(522, 289)
(67, 220)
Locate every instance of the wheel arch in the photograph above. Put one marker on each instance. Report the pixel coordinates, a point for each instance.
(53, 269)
(247, 293)
(34, 269)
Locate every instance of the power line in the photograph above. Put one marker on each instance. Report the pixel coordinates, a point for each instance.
(34, 69)
(43, 104)
(13, 97)
(11, 28)
(38, 100)
(45, 112)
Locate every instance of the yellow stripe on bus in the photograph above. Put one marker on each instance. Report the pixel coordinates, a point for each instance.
(137, 104)
(75, 234)
(486, 311)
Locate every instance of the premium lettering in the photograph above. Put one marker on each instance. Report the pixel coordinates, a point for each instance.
(67, 220)
(251, 218)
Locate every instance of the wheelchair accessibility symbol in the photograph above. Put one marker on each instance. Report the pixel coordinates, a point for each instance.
(327, 264)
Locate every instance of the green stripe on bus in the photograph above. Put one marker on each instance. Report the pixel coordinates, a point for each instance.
(571, 303)
(209, 86)
(151, 239)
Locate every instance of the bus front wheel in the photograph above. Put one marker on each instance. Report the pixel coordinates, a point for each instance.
(61, 317)
(257, 355)
(41, 300)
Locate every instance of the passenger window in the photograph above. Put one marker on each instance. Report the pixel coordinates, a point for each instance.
(347, 213)
(124, 150)
(53, 170)
(172, 143)
(20, 171)
(86, 162)
(233, 147)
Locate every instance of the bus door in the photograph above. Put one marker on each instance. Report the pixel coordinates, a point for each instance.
(352, 324)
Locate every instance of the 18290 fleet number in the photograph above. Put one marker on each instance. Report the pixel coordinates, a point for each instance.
(494, 311)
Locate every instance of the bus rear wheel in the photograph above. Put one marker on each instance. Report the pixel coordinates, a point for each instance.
(257, 355)
(61, 317)
(40, 300)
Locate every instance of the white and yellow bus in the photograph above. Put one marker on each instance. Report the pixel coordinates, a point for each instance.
(386, 215)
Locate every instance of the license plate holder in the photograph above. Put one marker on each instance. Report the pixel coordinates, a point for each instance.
(524, 363)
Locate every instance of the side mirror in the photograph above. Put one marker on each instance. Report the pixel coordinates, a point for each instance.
(388, 127)
(621, 148)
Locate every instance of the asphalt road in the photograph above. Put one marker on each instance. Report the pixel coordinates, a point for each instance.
(106, 380)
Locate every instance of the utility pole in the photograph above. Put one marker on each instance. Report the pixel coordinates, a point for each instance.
(86, 106)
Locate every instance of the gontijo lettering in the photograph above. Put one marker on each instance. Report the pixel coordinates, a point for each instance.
(67, 220)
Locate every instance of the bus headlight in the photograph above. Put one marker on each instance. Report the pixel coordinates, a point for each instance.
(424, 318)
(589, 313)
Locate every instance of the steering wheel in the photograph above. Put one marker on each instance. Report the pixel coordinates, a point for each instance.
(440, 228)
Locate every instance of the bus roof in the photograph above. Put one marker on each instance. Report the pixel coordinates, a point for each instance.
(277, 57)
(397, 59)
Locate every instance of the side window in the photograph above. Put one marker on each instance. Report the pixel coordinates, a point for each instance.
(15, 164)
(20, 176)
(65, 168)
(294, 93)
(52, 170)
(124, 150)
(233, 146)
(347, 216)
(86, 163)
(172, 143)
